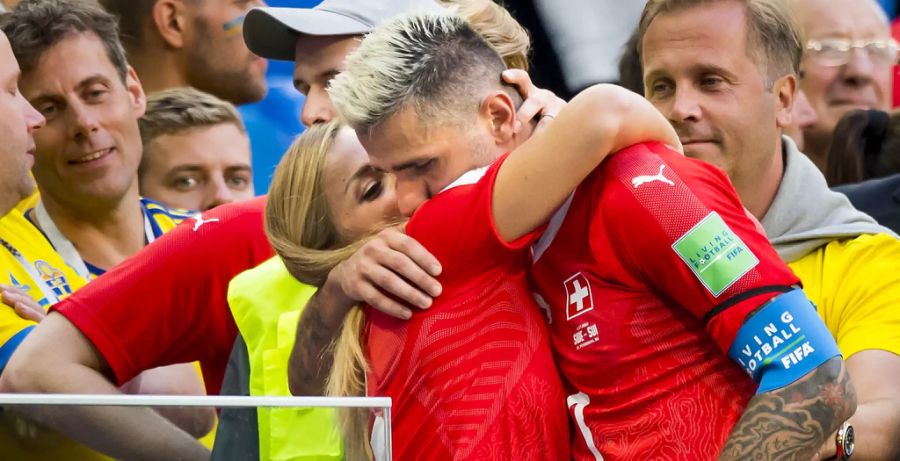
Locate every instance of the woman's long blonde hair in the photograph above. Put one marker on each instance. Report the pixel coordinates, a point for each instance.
(300, 228)
(498, 28)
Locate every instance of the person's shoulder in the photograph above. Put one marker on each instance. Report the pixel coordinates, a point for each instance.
(270, 273)
(650, 162)
(653, 173)
(235, 218)
(265, 290)
(879, 198)
(16, 229)
(864, 259)
(249, 210)
(875, 247)
(888, 186)
(229, 232)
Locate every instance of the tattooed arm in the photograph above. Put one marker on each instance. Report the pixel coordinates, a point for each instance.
(390, 262)
(312, 355)
(792, 423)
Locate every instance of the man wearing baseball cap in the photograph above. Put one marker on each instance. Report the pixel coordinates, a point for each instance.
(317, 40)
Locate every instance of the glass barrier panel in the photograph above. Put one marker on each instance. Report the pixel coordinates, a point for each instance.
(38, 427)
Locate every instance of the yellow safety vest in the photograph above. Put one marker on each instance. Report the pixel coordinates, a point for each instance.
(266, 302)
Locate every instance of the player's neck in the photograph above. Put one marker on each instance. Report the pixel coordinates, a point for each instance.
(158, 71)
(104, 234)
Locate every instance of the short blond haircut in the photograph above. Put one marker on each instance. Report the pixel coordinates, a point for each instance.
(434, 63)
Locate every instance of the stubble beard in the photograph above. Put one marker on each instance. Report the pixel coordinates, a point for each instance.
(235, 84)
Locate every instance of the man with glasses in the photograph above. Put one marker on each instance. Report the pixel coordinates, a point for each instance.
(846, 63)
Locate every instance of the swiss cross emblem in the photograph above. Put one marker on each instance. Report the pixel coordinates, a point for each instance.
(579, 298)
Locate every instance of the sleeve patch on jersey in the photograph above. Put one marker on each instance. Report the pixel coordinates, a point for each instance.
(716, 255)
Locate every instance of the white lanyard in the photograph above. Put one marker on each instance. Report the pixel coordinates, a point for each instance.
(64, 246)
(36, 278)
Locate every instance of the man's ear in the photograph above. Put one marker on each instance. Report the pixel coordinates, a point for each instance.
(136, 91)
(170, 21)
(785, 89)
(498, 110)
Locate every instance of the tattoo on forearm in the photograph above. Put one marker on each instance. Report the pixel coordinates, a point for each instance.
(313, 353)
(794, 421)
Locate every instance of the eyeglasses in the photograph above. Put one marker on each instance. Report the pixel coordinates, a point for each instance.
(833, 52)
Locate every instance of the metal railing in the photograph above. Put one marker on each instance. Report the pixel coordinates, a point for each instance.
(116, 400)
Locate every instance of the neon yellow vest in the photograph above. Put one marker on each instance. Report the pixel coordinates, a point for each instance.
(266, 302)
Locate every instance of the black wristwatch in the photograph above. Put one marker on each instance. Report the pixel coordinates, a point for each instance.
(845, 440)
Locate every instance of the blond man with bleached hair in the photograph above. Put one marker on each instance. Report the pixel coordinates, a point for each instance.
(196, 151)
(395, 70)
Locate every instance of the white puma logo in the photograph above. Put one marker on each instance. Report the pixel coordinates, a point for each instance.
(199, 221)
(647, 178)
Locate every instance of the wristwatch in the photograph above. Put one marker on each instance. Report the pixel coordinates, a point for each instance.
(845, 440)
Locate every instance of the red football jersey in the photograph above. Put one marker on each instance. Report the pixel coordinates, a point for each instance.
(168, 303)
(473, 376)
(649, 270)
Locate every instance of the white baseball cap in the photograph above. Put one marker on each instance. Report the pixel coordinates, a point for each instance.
(272, 32)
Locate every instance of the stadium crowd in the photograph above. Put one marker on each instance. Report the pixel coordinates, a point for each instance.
(696, 259)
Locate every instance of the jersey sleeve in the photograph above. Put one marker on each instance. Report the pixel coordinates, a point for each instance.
(681, 227)
(457, 226)
(862, 281)
(167, 304)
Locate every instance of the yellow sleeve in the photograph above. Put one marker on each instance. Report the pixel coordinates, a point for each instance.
(855, 285)
(23, 238)
(13, 329)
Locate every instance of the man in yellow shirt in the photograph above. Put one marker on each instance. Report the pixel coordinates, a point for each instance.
(729, 107)
(27, 261)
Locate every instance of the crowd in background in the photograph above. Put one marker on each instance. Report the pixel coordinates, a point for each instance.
(142, 118)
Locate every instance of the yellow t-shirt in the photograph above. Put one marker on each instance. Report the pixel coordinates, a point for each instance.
(855, 285)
